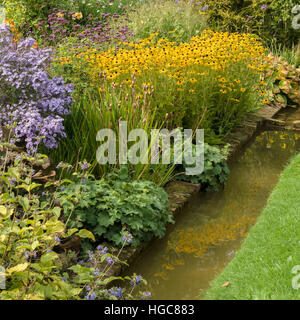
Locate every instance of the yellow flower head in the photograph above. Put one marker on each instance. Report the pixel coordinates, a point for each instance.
(77, 16)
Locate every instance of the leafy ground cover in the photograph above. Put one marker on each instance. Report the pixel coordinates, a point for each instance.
(266, 264)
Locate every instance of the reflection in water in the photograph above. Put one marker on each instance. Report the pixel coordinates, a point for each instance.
(212, 226)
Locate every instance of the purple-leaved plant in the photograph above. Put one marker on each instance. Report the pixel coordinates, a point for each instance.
(30, 99)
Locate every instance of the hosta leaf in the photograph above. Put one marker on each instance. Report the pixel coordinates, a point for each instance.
(83, 233)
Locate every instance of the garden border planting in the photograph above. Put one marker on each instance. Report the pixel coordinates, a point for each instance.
(180, 192)
(115, 115)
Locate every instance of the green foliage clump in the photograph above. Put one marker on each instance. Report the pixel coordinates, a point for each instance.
(31, 233)
(270, 19)
(174, 21)
(109, 207)
(215, 168)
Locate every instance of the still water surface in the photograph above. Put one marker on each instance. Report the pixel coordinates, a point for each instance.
(212, 226)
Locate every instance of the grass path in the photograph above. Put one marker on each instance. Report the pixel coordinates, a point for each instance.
(262, 268)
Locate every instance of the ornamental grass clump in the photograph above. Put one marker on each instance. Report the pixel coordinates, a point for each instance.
(31, 102)
(176, 21)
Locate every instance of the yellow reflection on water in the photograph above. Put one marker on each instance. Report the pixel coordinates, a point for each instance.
(211, 228)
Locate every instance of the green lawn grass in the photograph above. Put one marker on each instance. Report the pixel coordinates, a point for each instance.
(262, 268)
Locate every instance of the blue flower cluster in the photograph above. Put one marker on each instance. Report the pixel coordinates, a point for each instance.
(29, 99)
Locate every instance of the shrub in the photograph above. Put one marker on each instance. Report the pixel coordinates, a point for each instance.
(270, 19)
(28, 96)
(112, 206)
(215, 168)
(174, 21)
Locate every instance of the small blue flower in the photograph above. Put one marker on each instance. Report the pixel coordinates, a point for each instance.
(136, 280)
(104, 250)
(12, 180)
(90, 296)
(263, 7)
(84, 166)
(99, 247)
(117, 292)
(57, 239)
(127, 238)
(146, 295)
(109, 260)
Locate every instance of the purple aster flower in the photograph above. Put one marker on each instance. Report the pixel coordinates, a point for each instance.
(117, 292)
(32, 99)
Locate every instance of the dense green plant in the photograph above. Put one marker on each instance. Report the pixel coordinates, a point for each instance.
(93, 111)
(215, 168)
(270, 19)
(30, 232)
(115, 205)
(175, 21)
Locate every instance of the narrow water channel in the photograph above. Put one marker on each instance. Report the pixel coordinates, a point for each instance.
(212, 226)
